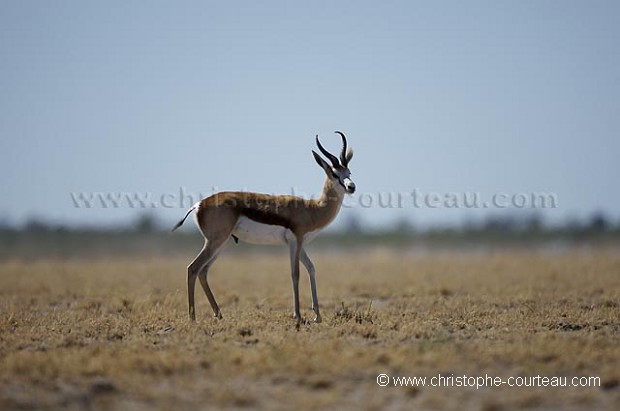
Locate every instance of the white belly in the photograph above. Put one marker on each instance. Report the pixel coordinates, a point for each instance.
(252, 232)
(257, 233)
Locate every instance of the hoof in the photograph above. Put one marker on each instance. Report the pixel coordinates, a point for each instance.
(318, 318)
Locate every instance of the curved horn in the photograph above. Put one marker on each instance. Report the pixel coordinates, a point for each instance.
(343, 154)
(327, 154)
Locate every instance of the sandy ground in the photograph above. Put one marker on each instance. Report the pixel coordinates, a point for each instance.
(110, 334)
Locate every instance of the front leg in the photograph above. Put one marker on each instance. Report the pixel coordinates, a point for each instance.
(310, 268)
(295, 250)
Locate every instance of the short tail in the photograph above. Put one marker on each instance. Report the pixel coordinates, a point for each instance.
(180, 223)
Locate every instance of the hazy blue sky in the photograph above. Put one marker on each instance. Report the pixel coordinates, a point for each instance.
(134, 96)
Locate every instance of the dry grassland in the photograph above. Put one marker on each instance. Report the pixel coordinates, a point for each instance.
(114, 334)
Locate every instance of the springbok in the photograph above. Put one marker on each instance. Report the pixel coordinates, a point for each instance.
(269, 219)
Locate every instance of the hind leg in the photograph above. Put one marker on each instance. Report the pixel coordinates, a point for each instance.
(192, 273)
(202, 275)
(216, 224)
(198, 269)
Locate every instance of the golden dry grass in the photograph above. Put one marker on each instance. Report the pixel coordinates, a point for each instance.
(115, 335)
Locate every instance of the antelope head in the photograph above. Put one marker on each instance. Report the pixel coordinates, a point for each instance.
(338, 172)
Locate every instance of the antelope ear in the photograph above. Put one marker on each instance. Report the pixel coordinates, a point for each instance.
(322, 163)
(349, 155)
